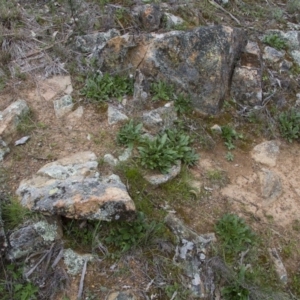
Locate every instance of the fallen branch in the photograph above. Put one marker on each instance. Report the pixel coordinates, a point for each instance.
(81, 281)
(213, 3)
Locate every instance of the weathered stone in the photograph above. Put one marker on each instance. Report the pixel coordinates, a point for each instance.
(149, 16)
(296, 56)
(266, 153)
(75, 262)
(3, 149)
(272, 54)
(141, 89)
(198, 61)
(246, 85)
(158, 179)
(3, 241)
(128, 295)
(271, 187)
(55, 86)
(292, 37)
(184, 232)
(72, 187)
(186, 255)
(159, 119)
(172, 20)
(115, 116)
(216, 128)
(10, 118)
(94, 42)
(110, 159)
(125, 155)
(279, 267)
(285, 66)
(31, 238)
(63, 106)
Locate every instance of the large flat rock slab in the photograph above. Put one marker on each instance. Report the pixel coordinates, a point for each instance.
(199, 61)
(73, 188)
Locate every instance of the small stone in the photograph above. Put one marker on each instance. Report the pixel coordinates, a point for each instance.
(63, 106)
(110, 159)
(125, 155)
(172, 20)
(271, 187)
(285, 66)
(159, 179)
(266, 153)
(296, 56)
(128, 295)
(115, 116)
(279, 267)
(159, 119)
(22, 141)
(202, 256)
(3, 149)
(75, 261)
(216, 128)
(272, 54)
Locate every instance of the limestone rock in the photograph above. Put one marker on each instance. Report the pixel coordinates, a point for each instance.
(110, 159)
(75, 261)
(296, 56)
(115, 115)
(271, 187)
(72, 187)
(272, 54)
(279, 267)
(149, 16)
(172, 20)
(63, 106)
(198, 61)
(266, 153)
(3, 149)
(158, 179)
(10, 118)
(55, 86)
(125, 155)
(32, 237)
(159, 119)
(246, 85)
(3, 241)
(93, 42)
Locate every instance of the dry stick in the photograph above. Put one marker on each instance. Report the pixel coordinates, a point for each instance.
(81, 281)
(58, 258)
(224, 10)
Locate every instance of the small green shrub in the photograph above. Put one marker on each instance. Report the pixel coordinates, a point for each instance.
(26, 123)
(129, 133)
(162, 152)
(234, 234)
(125, 235)
(229, 134)
(14, 214)
(293, 6)
(236, 290)
(15, 287)
(275, 41)
(289, 124)
(161, 91)
(101, 88)
(183, 104)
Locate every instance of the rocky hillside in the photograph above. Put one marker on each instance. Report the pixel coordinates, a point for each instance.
(149, 150)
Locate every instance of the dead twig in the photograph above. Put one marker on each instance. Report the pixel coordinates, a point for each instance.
(79, 295)
(224, 10)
